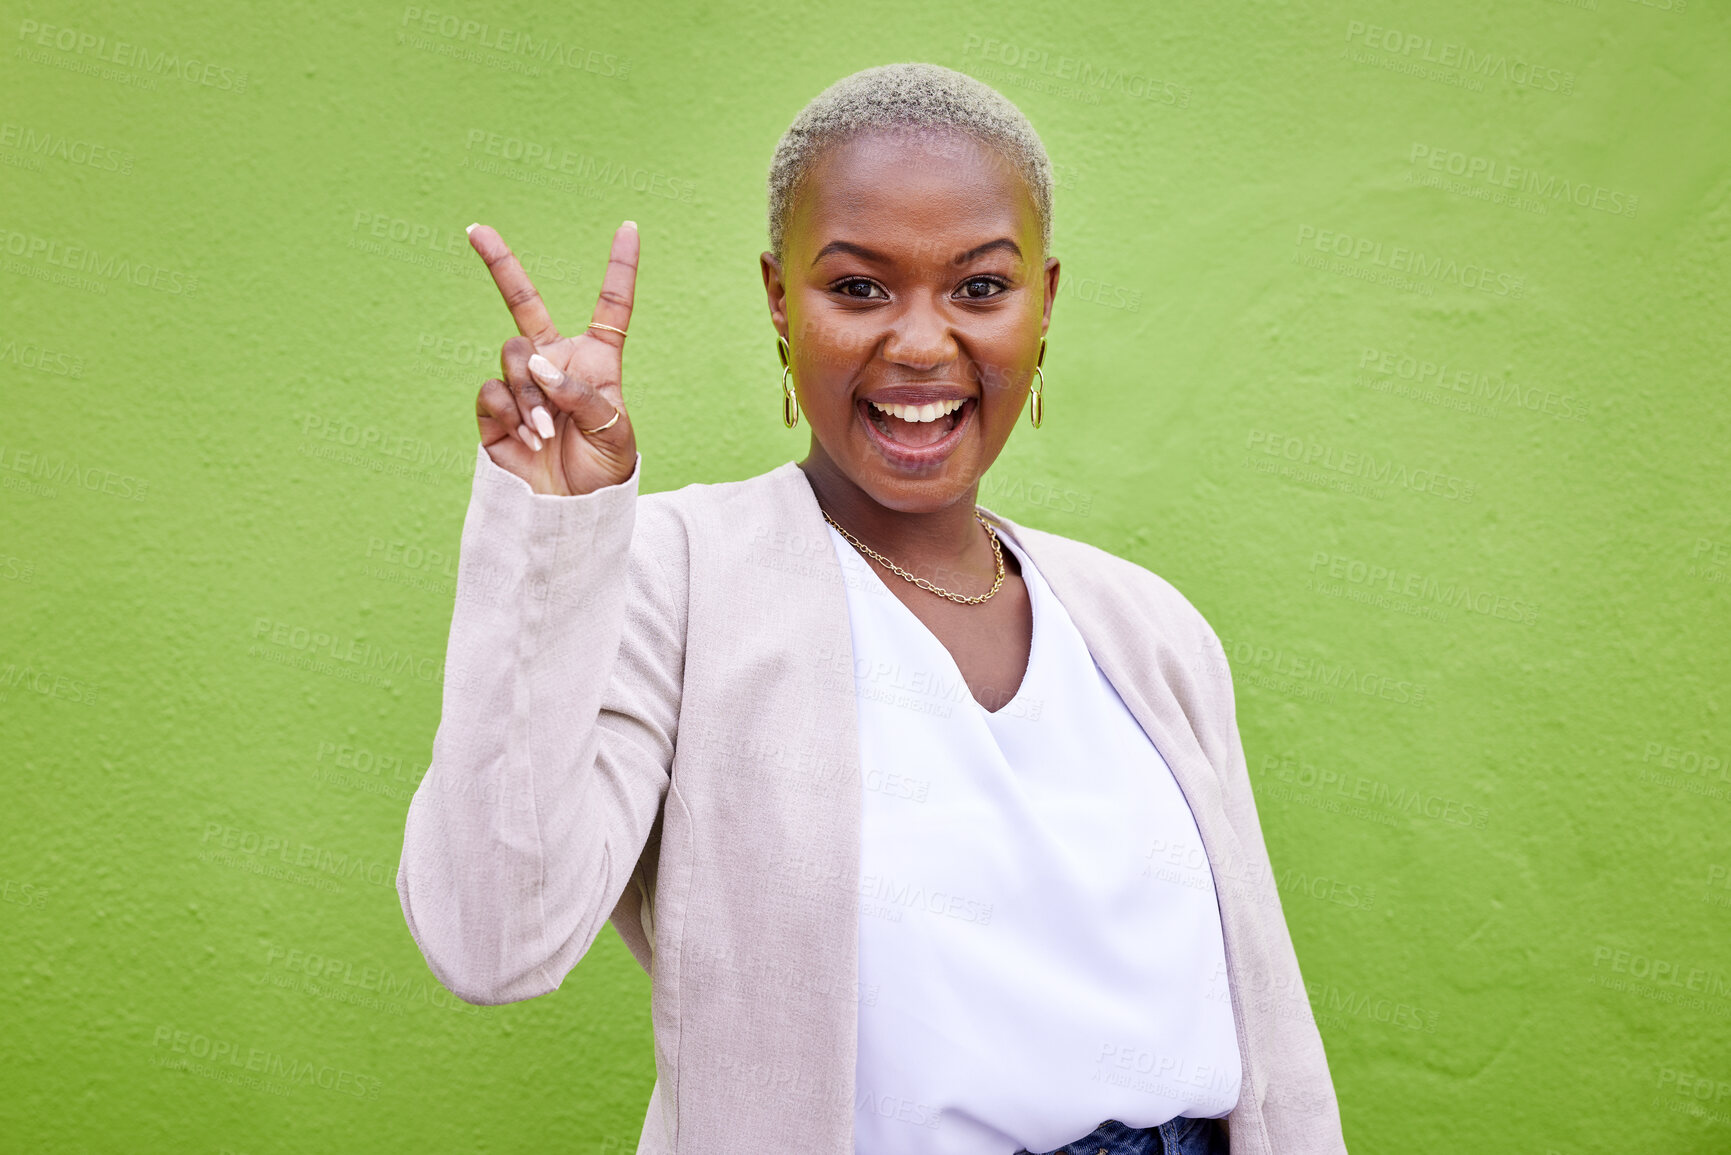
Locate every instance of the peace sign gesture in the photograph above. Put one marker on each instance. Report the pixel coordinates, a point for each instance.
(558, 418)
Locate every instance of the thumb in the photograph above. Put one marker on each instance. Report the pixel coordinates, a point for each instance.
(588, 407)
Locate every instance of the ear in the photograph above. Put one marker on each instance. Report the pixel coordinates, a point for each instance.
(1051, 272)
(775, 290)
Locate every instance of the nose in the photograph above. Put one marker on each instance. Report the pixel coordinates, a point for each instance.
(920, 340)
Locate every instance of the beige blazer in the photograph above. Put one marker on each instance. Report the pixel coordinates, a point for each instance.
(649, 717)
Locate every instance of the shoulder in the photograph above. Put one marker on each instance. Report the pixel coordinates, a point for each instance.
(711, 505)
(1114, 585)
(1140, 624)
(708, 497)
(722, 519)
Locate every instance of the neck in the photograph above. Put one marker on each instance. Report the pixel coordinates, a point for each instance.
(944, 538)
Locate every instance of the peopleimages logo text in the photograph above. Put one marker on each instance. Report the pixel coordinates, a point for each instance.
(1398, 258)
(1513, 68)
(513, 42)
(161, 62)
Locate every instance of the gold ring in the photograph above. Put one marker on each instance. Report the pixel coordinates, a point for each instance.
(599, 428)
(609, 328)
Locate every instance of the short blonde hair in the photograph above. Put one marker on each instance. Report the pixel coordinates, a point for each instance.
(907, 96)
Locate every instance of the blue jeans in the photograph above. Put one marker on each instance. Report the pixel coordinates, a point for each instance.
(1180, 1136)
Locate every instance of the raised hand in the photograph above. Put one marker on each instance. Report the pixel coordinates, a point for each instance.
(532, 423)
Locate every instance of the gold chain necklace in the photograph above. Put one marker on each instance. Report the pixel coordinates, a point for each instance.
(997, 553)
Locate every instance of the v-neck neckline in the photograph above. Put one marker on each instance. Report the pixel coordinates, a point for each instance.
(1035, 612)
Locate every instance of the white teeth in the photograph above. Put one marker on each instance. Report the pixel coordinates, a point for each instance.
(929, 412)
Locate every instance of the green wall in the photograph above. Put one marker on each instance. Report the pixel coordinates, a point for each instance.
(1393, 335)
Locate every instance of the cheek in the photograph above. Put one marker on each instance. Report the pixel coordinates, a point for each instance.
(827, 347)
(1001, 385)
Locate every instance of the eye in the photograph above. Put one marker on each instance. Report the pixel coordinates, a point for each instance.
(848, 286)
(989, 282)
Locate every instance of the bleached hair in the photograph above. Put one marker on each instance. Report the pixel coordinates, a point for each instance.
(907, 96)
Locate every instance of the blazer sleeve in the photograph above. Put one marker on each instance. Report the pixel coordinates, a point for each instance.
(556, 732)
(1298, 1109)
(1216, 729)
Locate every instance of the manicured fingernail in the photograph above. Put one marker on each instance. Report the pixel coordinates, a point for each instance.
(543, 421)
(473, 227)
(632, 225)
(545, 371)
(529, 438)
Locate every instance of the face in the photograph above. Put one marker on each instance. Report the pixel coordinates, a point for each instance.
(913, 293)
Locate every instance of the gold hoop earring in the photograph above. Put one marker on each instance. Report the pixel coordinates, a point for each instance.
(1036, 408)
(789, 403)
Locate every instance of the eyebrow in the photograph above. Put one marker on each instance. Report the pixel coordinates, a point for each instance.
(874, 255)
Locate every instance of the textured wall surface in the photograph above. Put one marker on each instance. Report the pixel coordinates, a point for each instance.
(1393, 334)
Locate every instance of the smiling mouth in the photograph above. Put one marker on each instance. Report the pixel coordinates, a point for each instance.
(917, 426)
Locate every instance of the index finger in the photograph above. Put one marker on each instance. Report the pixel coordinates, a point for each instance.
(527, 308)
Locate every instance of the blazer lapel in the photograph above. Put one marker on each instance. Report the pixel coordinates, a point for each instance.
(1133, 658)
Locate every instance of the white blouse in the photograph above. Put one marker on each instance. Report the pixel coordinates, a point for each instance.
(1039, 941)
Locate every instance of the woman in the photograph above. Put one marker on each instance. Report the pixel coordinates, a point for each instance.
(932, 830)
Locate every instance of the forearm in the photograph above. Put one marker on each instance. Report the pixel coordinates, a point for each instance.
(540, 607)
